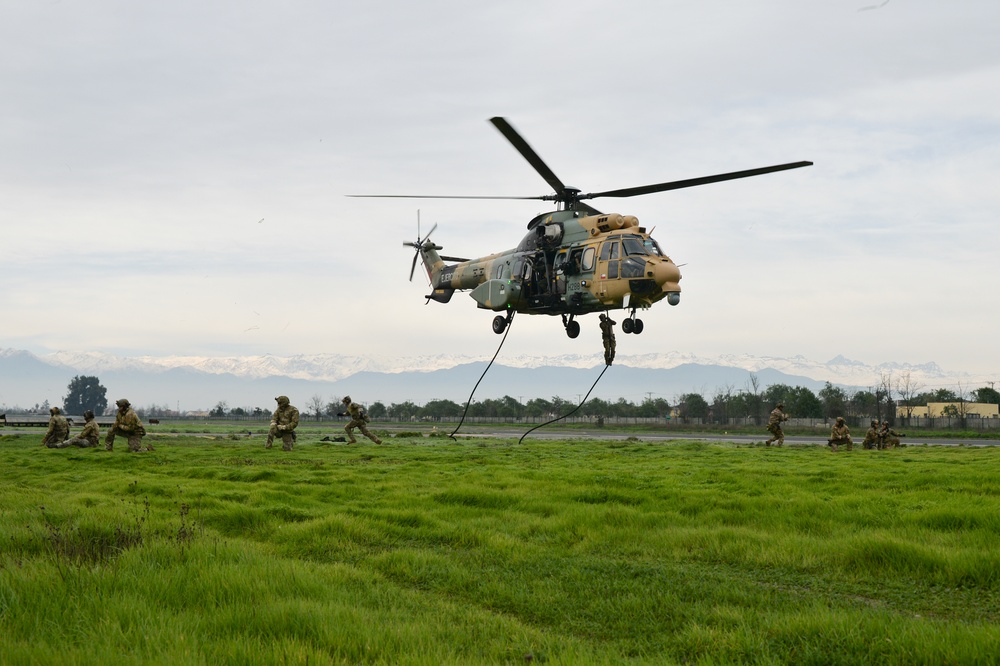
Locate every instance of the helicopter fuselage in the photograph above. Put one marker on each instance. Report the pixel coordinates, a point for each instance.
(570, 263)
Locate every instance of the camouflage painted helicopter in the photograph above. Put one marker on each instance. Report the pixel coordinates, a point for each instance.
(574, 260)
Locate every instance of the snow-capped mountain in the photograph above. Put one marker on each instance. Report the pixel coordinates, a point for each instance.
(336, 367)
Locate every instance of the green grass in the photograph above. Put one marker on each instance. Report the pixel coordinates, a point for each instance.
(428, 551)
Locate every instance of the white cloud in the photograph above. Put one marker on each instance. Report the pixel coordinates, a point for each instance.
(142, 145)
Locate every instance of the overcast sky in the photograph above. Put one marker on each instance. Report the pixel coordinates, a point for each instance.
(173, 174)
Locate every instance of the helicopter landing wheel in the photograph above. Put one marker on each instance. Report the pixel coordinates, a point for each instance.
(627, 326)
(499, 324)
(636, 326)
(573, 328)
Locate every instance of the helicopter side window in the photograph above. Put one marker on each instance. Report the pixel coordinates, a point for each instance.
(609, 250)
(588, 260)
(559, 262)
(498, 273)
(652, 247)
(634, 246)
(613, 269)
(574, 265)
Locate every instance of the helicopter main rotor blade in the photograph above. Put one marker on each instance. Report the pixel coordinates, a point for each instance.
(547, 197)
(692, 182)
(413, 266)
(528, 153)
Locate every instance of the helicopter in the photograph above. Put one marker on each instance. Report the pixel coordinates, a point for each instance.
(573, 261)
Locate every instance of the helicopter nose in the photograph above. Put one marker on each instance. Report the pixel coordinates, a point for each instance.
(668, 277)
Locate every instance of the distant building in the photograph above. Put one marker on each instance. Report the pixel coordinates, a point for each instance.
(935, 410)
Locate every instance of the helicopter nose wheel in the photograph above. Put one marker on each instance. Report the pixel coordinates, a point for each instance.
(572, 326)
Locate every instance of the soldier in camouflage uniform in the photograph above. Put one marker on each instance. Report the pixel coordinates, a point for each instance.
(871, 437)
(774, 425)
(358, 420)
(608, 335)
(127, 424)
(90, 436)
(58, 428)
(889, 437)
(284, 421)
(841, 434)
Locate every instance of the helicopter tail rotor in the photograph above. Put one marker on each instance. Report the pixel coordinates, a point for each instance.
(422, 243)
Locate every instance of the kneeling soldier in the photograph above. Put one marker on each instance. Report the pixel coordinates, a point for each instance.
(841, 434)
(127, 424)
(871, 437)
(284, 421)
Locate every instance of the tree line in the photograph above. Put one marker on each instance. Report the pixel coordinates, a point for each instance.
(752, 403)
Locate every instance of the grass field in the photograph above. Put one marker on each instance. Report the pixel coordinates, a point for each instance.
(428, 551)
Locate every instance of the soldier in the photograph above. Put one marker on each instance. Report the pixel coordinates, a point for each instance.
(841, 434)
(90, 436)
(127, 424)
(608, 335)
(774, 425)
(358, 420)
(871, 437)
(284, 421)
(890, 438)
(58, 428)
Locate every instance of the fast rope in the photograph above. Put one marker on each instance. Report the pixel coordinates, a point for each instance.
(469, 401)
(560, 418)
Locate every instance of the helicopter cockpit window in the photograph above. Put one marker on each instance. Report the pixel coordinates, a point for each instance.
(634, 245)
(609, 250)
(652, 247)
(499, 271)
(633, 267)
(588, 259)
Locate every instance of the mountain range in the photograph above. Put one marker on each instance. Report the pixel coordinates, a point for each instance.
(198, 383)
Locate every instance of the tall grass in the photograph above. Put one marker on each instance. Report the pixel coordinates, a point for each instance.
(482, 551)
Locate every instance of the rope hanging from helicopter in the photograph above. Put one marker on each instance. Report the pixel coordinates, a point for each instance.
(468, 402)
(572, 411)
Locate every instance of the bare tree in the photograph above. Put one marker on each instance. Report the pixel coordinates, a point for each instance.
(722, 402)
(316, 405)
(960, 407)
(907, 389)
(756, 396)
(884, 392)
